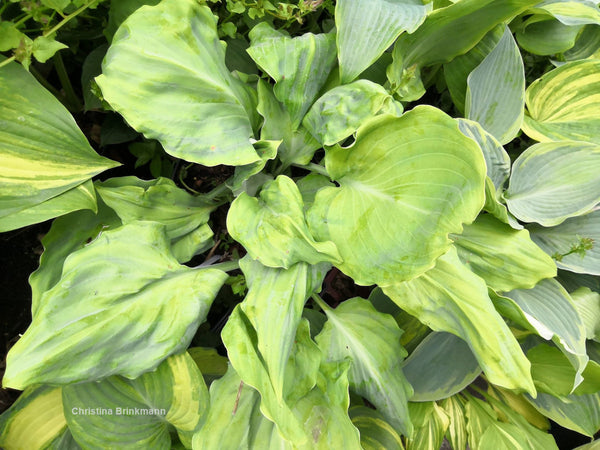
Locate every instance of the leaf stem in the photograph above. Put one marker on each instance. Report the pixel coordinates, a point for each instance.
(313, 168)
(319, 301)
(226, 266)
(63, 76)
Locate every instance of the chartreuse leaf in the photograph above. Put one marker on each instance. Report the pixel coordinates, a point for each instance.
(366, 28)
(78, 198)
(66, 235)
(571, 12)
(457, 428)
(371, 339)
(260, 336)
(553, 373)
(542, 35)
(341, 111)
(543, 187)
(451, 298)
(185, 217)
(299, 65)
(574, 244)
(521, 407)
(375, 432)
(441, 366)
(298, 146)
(467, 21)
(121, 413)
(579, 413)
(212, 365)
(563, 104)
(549, 310)
(594, 445)
(234, 419)
(273, 228)
(206, 119)
(496, 90)
(119, 11)
(587, 303)
(113, 294)
(389, 224)
(267, 150)
(44, 154)
(457, 71)
(431, 423)
(34, 420)
(505, 258)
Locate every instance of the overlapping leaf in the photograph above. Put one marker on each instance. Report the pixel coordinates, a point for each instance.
(139, 412)
(165, 73)
(563, 104)
(543, 35)
(366, 28)
(387, 222)
(451, 298)
(553, 181)
(372, 339)
(114, 294)
(44, 154)
(431, 423)
(375, 432)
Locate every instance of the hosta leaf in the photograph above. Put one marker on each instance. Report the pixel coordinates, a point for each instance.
(212, 365)
(161, 201)
(235, 421)
(553, 373)
(113, 294)
(372, 339)
(366, 28)
(572, 12)
(457, 428)
(542, 35)
(34, 420)
(451, 298)
(44, 154)
(75, 199)
(138, 413)
(551, 313)
(587, 303)
(441, 366)
(566, 242)
(267, 150)
(340, 111)
(387, 223)
(586, 45)
(579, 413)
(457, 71)
(298, 146)
(431, 423)
(121, 10)
(375, 432)
(204, 120)
(543, 187)
(467, 21)
(299, 65)
(273, 228)
(563, 104)
(505, 258)
(496, 90)
(521, 407)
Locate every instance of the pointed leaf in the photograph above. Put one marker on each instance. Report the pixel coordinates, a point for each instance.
(299, 65)
(550, 311)
(457, 429)
(505, 258)
(341, 111)
(543, 187)
(375, 432)
(34, 420)
(273, 228)
(204, 120)
(113, 294)
(399, 224)
(431, 423)
(357, 330)
(44, 154)
(496, 90)
(579, 413)
(451, 298)
(121, 413)
(441, 366)
(366, 28)
(563, 104)
(562, 239)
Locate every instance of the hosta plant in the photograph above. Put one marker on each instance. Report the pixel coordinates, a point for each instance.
(440, 158)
